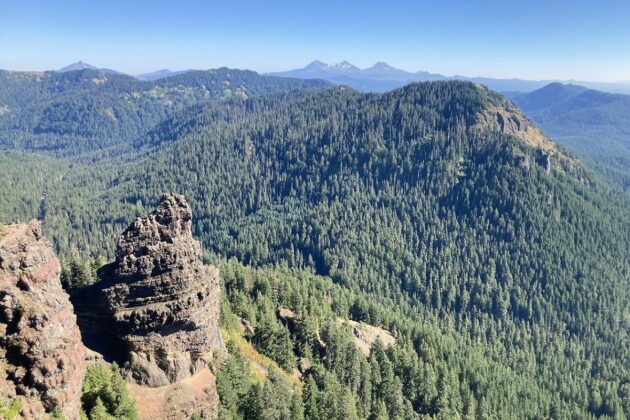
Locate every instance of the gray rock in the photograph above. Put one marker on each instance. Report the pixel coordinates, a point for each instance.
(156, 310)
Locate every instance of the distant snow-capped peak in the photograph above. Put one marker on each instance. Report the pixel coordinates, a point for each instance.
(344, 65)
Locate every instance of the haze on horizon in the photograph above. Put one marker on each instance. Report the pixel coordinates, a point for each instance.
(560, 40)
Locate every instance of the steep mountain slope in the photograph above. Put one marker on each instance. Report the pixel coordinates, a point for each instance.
(594, 124)
(23, 179)
(440, 200)
(79, 111)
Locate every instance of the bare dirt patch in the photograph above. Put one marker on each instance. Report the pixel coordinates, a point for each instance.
(196, 394)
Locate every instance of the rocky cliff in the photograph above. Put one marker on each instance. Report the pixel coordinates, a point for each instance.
(156, 309)
(41, 355)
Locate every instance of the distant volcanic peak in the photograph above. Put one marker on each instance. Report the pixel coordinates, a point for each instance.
(343, 66)
(381, 65)
(79, 65)
(160, 74)
(382, 69)
(317, 64)
(320, 66)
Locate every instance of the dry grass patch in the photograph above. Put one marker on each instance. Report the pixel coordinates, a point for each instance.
(259, 364)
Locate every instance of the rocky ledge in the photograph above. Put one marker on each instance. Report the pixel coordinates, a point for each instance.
(156, 309)
(41, 355)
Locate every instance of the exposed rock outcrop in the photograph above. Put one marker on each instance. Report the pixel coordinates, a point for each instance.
(544, 159)
(156, 309)
(40, 343)
(506, 118)
(365, 336)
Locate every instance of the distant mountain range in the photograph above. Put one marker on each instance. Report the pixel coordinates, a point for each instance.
(85, 110)
(383, 77)
(594, 123)
(378, 78)
(156, 75)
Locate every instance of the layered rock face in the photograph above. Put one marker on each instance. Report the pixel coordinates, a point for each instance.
(157, 303)
(39, 338)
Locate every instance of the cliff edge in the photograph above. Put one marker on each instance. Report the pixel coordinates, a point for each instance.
(41, 354)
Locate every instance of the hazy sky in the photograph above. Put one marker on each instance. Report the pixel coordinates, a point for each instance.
(552, 39)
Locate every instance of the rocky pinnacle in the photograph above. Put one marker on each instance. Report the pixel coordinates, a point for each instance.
(157, 303)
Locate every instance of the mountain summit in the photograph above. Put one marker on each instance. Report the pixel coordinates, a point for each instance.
(384, 70)
(382, 66)
(318, 68)
(79, 65)
(316, 64)
(344, 66)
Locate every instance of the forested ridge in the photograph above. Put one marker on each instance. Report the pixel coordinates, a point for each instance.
(81, 111)
(500, 267)
(594, 124)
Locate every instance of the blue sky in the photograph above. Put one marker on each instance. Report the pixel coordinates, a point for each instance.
(553, 39)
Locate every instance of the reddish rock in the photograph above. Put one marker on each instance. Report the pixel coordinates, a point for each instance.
(39, 337)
